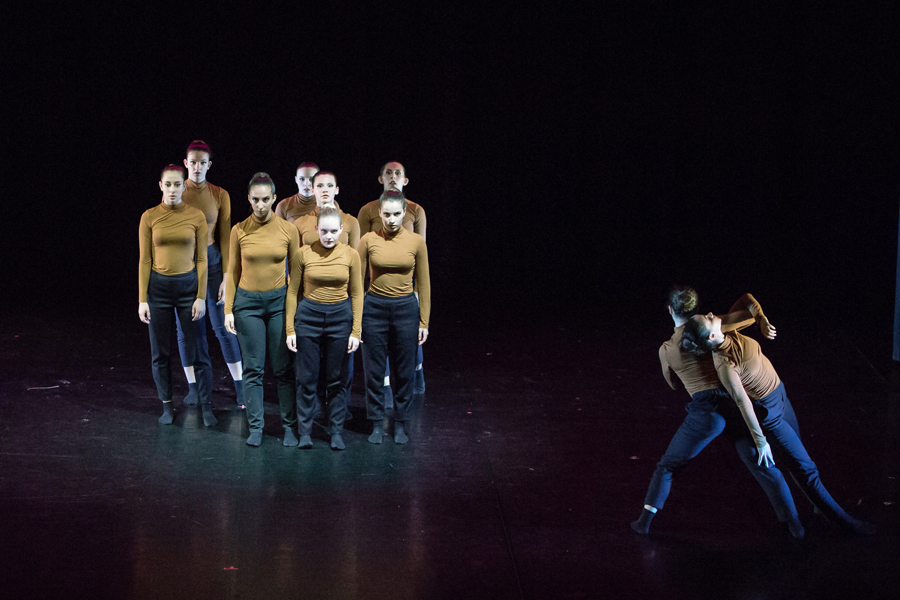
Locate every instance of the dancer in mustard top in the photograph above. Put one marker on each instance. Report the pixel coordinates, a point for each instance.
(392, 177)
(172, 279)
(255, 298)
(394, 322)
(304, 201)
(215, 204)
(749, 377)
(326, 189)
(327, 324)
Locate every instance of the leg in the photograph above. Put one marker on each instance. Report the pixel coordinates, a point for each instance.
(188, 367)
(334, 349)
(403, 344)
(227, 341)
(420, 372)
(306, 363)
(251, 333)
(374, 354)
(282, 361)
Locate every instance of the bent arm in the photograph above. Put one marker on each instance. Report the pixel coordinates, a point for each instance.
(666, 370)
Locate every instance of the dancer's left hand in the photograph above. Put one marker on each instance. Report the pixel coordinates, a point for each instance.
(423, 335)
(767, 329)
(765, 456)
(352, 344)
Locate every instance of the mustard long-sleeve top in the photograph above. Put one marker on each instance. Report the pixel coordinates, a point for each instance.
(258, 251)
(308, 234)
(698, 373)
(324, 275)
(392, 261)
(172, 241)
(370, 219)
(215, 204)
(291, 209)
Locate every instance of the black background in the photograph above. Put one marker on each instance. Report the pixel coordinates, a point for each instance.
(573, 163)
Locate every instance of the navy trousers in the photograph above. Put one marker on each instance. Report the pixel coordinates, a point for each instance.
(322, 333)
(259, 322)
(390, 328)
(167, 296)
(215, 312)
(711, 413)
(776, 417)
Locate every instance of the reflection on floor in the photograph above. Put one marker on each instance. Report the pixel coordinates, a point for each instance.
(529, 456)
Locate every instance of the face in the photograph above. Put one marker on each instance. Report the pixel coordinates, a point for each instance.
(172, 186)
(304, 179)
(714, 325)
(261, 201)
(325, 188)
(197, 163)
(393, 177)
(329, 229)
(392, 214)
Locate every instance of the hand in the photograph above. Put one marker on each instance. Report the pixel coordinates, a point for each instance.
(765, 455)
(352, 344)
(292, 343)
(221, 297)
(229, 324)
(423, 335)
(198, 309)
(767, 329)
(144, 312)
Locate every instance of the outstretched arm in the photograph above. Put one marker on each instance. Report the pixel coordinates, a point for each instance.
(729, 377)
(744, 313)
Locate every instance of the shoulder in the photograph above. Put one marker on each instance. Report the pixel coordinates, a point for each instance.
(371, 207)
(218, 192)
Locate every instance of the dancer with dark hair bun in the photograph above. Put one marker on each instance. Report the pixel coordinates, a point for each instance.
(710, 413)
(172, 279)
(327, 324)
(256, 294)
(215, 204)
(394, 322)
(749, 378)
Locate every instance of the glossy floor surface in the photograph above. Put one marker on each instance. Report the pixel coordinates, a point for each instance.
(530, 454)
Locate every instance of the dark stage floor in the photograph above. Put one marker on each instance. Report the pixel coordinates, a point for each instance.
(530, 454)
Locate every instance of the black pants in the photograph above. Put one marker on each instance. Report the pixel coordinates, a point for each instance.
(390, 327)
(322, 334)
(168, 295)
(259, 322)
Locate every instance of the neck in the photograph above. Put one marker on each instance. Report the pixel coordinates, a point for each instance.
(171, 204)
(679, 321)
(264, 219)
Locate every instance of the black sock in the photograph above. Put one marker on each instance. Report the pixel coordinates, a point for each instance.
(192, 397)
(642, 525)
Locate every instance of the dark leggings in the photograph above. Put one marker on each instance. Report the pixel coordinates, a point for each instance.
(322, 334)
(167, 296)
(390, 327)
(259, 322)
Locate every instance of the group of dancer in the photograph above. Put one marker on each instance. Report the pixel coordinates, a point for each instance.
(734, 389)
(287, 283)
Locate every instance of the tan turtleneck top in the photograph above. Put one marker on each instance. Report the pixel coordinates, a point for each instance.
(392, 260)
(324, 274)
(370, 220)
(172, 241)
(291, 209)
(258, 252)
(308, 234)
(215, 204)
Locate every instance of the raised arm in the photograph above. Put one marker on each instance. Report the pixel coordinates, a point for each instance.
(730, 378)
(744, 313)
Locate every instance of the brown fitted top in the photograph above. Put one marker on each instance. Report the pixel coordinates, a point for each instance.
(258, 252)
(392, 260)
(413, 220)
(698, 373)
(744, 356)
(172, 241)
(325, 274)
(308, 234)
(291, 209)
(215, 204)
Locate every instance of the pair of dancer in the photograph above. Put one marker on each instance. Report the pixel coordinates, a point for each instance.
(735, 379)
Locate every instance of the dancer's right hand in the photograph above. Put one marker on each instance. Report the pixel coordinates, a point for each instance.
(765, 455)
(144, 312)
(229, 324)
